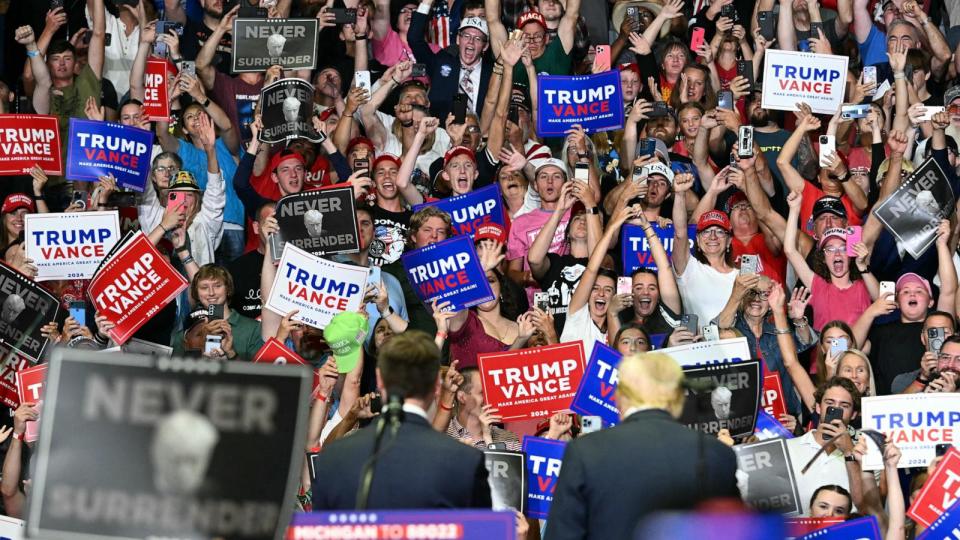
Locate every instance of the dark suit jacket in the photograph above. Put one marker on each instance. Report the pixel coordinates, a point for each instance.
(422, 468)
(444, 69)
(613, 478)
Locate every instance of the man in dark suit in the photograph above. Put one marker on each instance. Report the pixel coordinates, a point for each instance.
(466, 72)
(420, 467)
(612, 479)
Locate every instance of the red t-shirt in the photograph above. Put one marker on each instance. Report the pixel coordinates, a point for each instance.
(772, 266)
(811, 194)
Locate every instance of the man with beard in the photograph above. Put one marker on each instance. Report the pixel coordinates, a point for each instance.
(197, 33)
(769, 136)
(466, 73)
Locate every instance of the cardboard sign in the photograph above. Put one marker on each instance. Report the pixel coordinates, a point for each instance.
(97, 149)
(593, 101)
(913, 212)
(771, 399)
(286, 111)
(945, 526)
(274, 352)
(30, 390)
(713, 525)
(9, 391)
(771, 485)
(544, 459)
(532, 383)
(321, 222)
(722, 396)
(449, 271)
(25, 307)
(119, 427)
(133, 285)
(865, 528)
(941, 491)
(710, 352)
(507, 478)
(799, 526)
(769, 427)
(319, 288)
(27, 140)
(405, 524)
(790, 77)
(635, 249)
(259, 44)
(70, 245)
(156, 103)
(12, 528)
(595, 395)
(471, 210)
(916, 423)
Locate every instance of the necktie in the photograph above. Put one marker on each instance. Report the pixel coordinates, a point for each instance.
(466, 85)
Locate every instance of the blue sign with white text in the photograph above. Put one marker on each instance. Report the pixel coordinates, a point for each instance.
(404, 524)
(448, 271)
(594, 397)
(96, 149)
(544, 458)
(865, 528)
(472, 210)
(593, 101)
(946, 526)
(636, 250)
(769, 428)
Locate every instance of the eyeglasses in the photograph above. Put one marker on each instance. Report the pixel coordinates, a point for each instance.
(473, 129)
(535, 38)
(757, 293)
(407, 10)
(716, 233)
(835, 249)
(951, 358)
(475, 39)
(169, 169)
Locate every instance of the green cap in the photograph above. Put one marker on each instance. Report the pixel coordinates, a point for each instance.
(345, 334)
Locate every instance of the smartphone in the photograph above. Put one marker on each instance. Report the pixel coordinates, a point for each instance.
(711, 332)
(725, 100)
(212, 343)
(80, 199)
(541, 300)
(690, 322)
(363, 79)
(344, 15)
(869, 75)
(624, 285)
(54, 4)
(513, 115)
(814, 26)
(497, 446)
(833, 413)
(803, 45)
(189, 67)
(854, 237)
(660, 109)
(601, 58)
(838, 346)
(78, 310)
(376, 404)
(697, 38)
(160, 49)
(647, 148)
(633, 13)
(165, 26)
(745, 142)
(745, 70)
(214, 312)
(252, 12)
(375, 278)
(888, 287)
(749, 264)
(362, 164)
(460, 109)
(175, 201)
(768, 24)
(589, 424)
(729, 12)
(828, 145)
(581, 172)
(935, 338)
(853, 112)
(942, 448)
(928, 113)
(419, 70)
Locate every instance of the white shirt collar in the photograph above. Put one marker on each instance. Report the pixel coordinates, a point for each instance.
(413, 409)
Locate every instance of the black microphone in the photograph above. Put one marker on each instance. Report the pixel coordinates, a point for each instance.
(394, 414)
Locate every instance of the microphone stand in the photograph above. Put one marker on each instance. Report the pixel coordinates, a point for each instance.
(393, 417)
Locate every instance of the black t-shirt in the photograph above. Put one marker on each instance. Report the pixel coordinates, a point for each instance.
(389, 235)
(157, 328)
(195, 34)
(246, 270)
(895, 348)
(559, 282)
(660, 323)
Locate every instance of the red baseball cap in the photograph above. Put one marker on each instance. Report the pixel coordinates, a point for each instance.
(529, 17)
(490, 231)
(458, 151)
(15, 201)
(386, 157)
(714, 218)
(632, 66)
(354, 142)
(284, 155)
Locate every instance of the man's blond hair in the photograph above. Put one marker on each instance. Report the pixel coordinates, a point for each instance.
(650, 380)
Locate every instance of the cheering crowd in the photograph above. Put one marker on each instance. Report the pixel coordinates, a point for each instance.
(418, 102)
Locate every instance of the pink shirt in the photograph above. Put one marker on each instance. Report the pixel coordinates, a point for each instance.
(523, 231)
(390, 50)
(831, 303)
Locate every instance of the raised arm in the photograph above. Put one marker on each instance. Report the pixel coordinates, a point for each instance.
(681, 184)
(945, 268)
(428, 125)
(537, 256)
(41, 91)
(589, 277)
(669, 292)
(498, 32)
(95, 52)
(204, 66)
(567, 29)
(138, 72)
(796, 259)
(862, 20)
(807, 123)
(788, 348)
(511, 52)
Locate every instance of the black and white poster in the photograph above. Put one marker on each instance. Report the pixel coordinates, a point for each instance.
(138, 447)
(25, 307)
(507, 476)
(286, 112)
(913, 213)
(261, 43)
(722, 396)
(770, 484)
(320, 222)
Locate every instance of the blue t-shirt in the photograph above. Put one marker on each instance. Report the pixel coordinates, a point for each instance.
(874, 49)
(195, 161)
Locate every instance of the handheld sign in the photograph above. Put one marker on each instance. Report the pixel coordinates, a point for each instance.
(27, 140)
(945, 526)
(595, 395)
(865, 528)
(286, 111)
(635, 249)
(544, 459)
(261, 43)
(156, 104)
(593, 101)
(274, 352)
(25, 307)
(770, 481)
(320, 222)
(70, 245)
(12, 528)
(916, 423)
(769, 427)
(710, 352)
(402, 524)
(532, 383)
(319, 288)
(722, 396)
(941, 490)
(771, 399)
(913, 212)
(471, 210)
(507, 479)
(97, 149)
(799, 526)
(133, 285)
(449, 271)
(790, 77)
(9, 390)
(30, 390)
(121, 428)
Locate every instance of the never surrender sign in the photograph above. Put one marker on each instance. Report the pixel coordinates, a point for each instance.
(790, 77)
(770, 481)
(507, 478)
(635, 249)
(25, 306)
(97, 149)
(27, 140)
(722, 396)
(913, 213)
(544, 460)
(317, 287)
(132, 285)
(138, 447)
(261, 43)
(593, 101)
(449, 271)
(286, 111)
(70, 245)
(472, 210)
(710, 352)
(321, 222)
(916, 423)
(595, 395)
(532, 383)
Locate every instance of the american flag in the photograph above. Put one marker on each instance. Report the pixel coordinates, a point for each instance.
(439, 31)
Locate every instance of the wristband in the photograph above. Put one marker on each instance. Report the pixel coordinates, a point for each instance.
(206, 103)
(18, 436)
(442, 335)
(898, 76)
(849, 458)
(800, 323)
(360, 37)
(164, 229)
(321, 397)
(187, 261)
(33, 54)
(444, 407)
(595, 210)
(783, 331)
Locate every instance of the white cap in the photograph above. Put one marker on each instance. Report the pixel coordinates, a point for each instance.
(549, 162)
(475, 22)
(658, 168)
